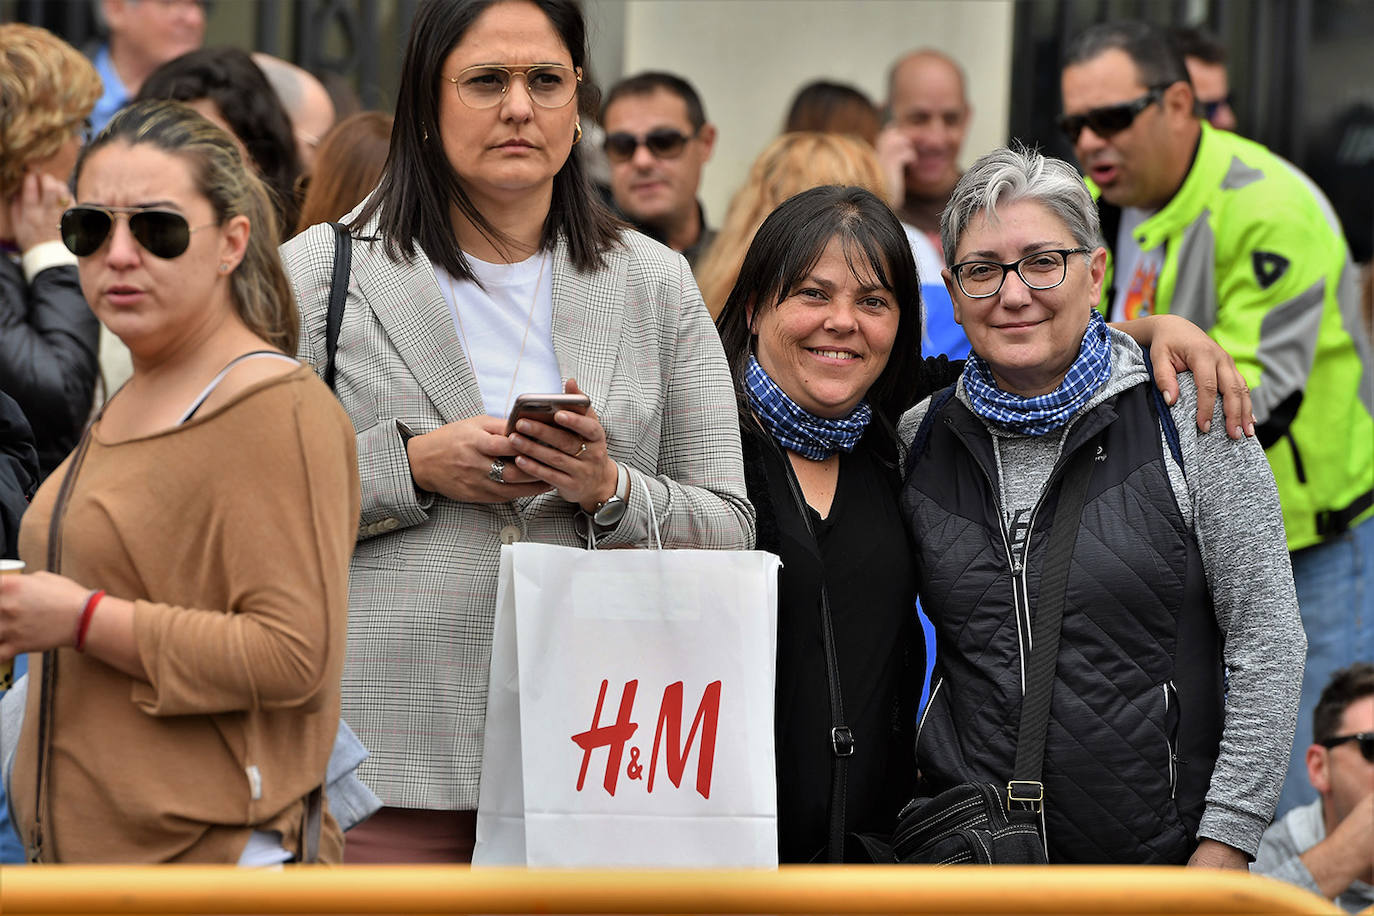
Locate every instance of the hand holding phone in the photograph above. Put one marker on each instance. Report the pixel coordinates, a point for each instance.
(542, 407)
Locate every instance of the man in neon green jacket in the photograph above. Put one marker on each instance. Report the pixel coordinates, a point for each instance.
(1218, 229)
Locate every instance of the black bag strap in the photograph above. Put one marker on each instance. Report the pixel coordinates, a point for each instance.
(338, 294)
(313, 825)
(48, 683)
(841, 737)
(1025, 785)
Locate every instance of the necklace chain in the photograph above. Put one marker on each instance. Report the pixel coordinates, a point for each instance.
(529, 320)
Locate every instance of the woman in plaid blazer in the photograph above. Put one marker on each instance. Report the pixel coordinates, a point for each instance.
(483, 266)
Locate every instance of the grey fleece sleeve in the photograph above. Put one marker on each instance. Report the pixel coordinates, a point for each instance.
(1239, 530)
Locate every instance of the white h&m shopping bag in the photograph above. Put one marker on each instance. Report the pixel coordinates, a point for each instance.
(630, 710)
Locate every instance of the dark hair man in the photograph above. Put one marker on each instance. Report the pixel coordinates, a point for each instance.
(1328, 846)
(1216, 228)
(657, 141)
(1205, 58)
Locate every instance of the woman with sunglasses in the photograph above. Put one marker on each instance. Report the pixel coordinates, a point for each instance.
(48, 336)
(484, 267)
(191, 625)
(1174, 688)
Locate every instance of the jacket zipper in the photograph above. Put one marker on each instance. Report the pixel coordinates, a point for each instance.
(1168, 687)
(1020, 600)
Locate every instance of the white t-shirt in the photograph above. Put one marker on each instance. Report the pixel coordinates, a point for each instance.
(1137, 272)
(511, 311)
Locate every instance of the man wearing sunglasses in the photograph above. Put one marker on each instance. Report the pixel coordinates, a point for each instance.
(1216, 228)
(1328, 846)
(1205, 58)
(657, 141)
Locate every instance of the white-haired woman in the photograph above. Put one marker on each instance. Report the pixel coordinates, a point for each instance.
(1143, 761)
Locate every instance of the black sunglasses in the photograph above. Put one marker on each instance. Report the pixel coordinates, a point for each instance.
(162, 233)
(663, 142)
(1209, 109)
(1109, 119)
(1365, 739)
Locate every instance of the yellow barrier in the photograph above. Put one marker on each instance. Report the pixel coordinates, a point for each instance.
(187, 889)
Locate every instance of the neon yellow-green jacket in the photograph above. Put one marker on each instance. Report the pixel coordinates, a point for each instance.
(1254, 253)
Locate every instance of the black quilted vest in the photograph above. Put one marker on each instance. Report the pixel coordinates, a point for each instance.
(1136, 711)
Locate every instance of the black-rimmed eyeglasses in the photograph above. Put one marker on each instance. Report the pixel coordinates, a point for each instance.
(1042, 270)
(1109, 119)
(1364, 739)
(548, 85)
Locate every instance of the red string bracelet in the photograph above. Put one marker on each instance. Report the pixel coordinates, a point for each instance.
(87, 613)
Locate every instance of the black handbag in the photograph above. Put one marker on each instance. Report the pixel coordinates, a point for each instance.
(984, 823)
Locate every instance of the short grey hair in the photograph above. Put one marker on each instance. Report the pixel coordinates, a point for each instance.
(1011, 174)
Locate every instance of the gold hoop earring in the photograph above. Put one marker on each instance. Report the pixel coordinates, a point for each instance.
(577, 137)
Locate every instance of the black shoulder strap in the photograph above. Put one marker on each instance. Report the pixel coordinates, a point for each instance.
(1049, 614)
(48, 679)
(1166, 416)
(338, 293)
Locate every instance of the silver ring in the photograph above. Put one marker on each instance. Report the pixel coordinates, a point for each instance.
(498, 468)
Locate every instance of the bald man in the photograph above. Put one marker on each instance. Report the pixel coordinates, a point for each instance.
(306, 101)
(920, 147)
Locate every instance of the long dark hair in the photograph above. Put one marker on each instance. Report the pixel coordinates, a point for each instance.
(418, 182)
(229, 78)
(787, 247)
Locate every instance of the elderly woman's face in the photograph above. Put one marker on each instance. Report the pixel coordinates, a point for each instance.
(829, 340)
(1029, 337)
(515, 147)
(153, 302)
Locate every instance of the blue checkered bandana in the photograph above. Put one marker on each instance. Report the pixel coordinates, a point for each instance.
(799, 430)
(1046, 412)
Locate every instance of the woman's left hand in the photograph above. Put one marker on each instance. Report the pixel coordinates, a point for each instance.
(37, 209)
(39, 611)
(1178, 344)
(570, 457)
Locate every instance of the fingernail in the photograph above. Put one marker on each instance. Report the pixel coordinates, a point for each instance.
(1169, 398)
(1206, 426)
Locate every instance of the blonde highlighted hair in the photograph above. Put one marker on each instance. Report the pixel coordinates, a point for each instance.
(258, 287)
(47, 90)
(792, 163)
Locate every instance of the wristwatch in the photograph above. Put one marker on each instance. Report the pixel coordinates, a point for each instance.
(609, 512)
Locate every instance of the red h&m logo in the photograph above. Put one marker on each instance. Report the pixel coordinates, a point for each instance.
(616, 737)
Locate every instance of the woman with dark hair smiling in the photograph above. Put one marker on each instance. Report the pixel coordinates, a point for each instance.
(483, 267)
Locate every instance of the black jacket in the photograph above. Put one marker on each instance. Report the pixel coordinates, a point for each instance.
(1135, 715)
(49, 348)
(18, 473)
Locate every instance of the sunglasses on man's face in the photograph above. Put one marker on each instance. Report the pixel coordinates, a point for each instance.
(663, 142)
(1365, 740)
(1109, 119)
(162, 233)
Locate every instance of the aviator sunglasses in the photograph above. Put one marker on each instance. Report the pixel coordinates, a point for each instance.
(1365, 740)
(663, 142)
(1109, 120)
(162, 233)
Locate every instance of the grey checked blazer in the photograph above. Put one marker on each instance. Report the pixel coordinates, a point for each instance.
(639, 341)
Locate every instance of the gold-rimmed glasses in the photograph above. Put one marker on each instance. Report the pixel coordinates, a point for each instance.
(548, 85)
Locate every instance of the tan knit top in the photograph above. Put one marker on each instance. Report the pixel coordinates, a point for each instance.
(232, 535)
